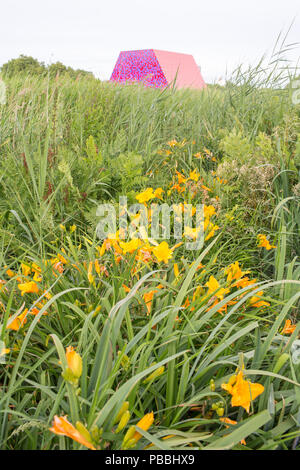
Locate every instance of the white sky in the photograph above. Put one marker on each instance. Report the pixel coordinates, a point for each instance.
(89, 34)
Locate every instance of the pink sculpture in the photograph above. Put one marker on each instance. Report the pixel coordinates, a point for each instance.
(158, 69)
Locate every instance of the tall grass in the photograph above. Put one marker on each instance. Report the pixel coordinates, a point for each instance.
(64, 146)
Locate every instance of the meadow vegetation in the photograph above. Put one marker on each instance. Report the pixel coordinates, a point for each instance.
(139, 344)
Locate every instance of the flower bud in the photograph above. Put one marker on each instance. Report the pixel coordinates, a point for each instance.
(155, 374)
(130, 444)
(212, 385)
(74, 362)
(128, 438)
(125, 361)
(96, 433)
(123, 408)
(123, 421)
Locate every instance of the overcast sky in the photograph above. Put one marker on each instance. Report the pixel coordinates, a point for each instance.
(89, 34)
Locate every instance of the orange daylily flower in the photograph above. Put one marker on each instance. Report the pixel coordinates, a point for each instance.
(180, 177)
(110, 242)
(35, 310)
(148, 296)
(192, 232)
(63, 427)
(9, 272)
(232, 422)
(222, 309)
(264, 242)
(178, 188)
(244, 282)
(25, 269)
(256, 301)
(288, 328)
(58, 266)
(144, 254)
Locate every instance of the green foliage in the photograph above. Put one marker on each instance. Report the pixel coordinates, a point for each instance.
(235, 145)
(24, 64)
(264, 147)
(93, 154)
(128, 168)
(30, 66)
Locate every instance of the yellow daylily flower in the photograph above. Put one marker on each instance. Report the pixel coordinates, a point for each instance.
(194, 175)
(131, 246)
(242, 391)
(192, 232)
(28, 288)
(172, 143)
(4, 351)
(158, 193)
(145, 196)
(18, 322)
(144, 424)
(91, 277)
(26, 270)
(162, 252)
(213, 285)
(233, 271)
(176, 270)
